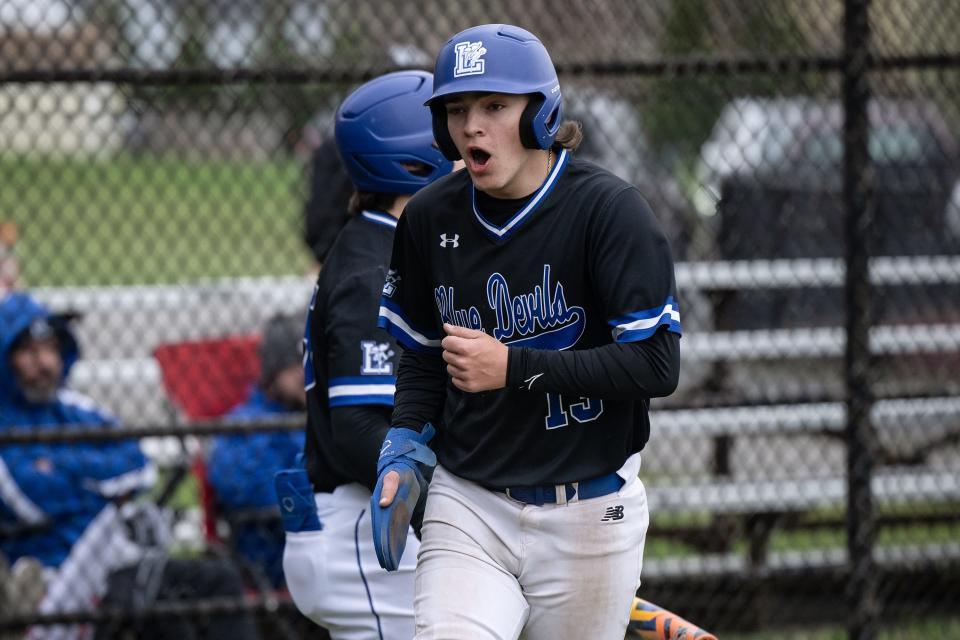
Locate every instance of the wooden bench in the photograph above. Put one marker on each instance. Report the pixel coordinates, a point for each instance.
(908, 429)
(724, 591)
(830, 342)
(729, 564)
(759, 507)
(813, 272)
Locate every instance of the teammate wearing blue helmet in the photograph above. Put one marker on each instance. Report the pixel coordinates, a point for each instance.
(534, 298)
(385, 140)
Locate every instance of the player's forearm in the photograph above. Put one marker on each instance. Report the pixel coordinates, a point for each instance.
(358, 433)
(647, 369)
(420, 391)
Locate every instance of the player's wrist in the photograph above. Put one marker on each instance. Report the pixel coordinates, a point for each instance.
(516, 366)
(406, 446)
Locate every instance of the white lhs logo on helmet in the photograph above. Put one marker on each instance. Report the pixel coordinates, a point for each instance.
(469, 58)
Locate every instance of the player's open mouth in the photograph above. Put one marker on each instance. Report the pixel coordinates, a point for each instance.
(478, 158)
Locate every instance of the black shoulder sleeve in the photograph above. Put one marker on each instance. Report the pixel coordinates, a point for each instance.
(631, 269)
(361, 360)
(406, 302)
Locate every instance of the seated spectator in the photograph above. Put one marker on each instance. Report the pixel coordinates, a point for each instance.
(67, 505)
(241, 467)
(53, 492)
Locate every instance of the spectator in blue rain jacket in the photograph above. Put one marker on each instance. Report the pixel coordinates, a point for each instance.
(50, 493)
(241, 467)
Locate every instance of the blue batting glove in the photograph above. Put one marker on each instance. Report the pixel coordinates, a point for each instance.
(403, 451)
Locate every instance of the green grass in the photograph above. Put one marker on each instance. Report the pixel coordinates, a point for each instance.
(148, 219)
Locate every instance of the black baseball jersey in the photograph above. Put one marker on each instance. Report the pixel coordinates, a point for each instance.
(580, 264)
(348, 362)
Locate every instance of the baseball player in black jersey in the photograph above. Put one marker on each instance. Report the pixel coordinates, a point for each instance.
(535, 302)
(385, 139)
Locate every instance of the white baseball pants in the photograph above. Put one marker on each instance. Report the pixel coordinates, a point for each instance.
(334, 577)
(491, 567)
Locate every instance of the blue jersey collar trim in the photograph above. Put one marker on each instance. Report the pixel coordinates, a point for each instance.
(380, 218)
(500, 233)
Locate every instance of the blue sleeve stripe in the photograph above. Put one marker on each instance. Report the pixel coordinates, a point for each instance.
(405, 334)
(348, 401)
(643, 328)
(334, 382)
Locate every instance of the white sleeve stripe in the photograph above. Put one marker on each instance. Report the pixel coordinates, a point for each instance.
(647, 323)
(14, 498)
(401, 324)
(340, 390)
(125, 483)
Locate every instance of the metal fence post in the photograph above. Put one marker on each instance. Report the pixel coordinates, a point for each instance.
(857, 192)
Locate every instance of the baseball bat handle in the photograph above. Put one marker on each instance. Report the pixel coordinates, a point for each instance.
(651, 622)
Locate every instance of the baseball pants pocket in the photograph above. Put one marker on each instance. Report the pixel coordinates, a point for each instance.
(302, 570)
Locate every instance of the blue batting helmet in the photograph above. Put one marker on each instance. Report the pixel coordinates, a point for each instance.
(499, 58)
(383, 125)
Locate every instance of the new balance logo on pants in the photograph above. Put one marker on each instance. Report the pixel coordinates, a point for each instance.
(613, 513)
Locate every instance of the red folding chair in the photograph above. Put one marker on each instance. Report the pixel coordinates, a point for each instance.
(204, 379)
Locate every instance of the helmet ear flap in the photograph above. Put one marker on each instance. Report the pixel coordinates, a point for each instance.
(532, 128)
(442, 134)
(528, 133)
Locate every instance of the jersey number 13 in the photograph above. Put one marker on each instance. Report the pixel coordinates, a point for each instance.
(559, 410)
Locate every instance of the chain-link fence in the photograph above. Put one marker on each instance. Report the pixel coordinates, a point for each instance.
(164, 189)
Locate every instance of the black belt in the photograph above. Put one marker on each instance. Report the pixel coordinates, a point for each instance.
(564, 493)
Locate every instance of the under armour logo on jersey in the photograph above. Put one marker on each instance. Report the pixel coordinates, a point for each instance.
(386, 447)
(613, 513)
(451, 242)
(376, 358)
(469, 62)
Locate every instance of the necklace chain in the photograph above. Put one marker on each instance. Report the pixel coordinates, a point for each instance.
(549, 158)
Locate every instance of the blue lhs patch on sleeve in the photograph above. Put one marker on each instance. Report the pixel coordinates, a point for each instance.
(640, 325)
(394, 321)
(356, 390)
